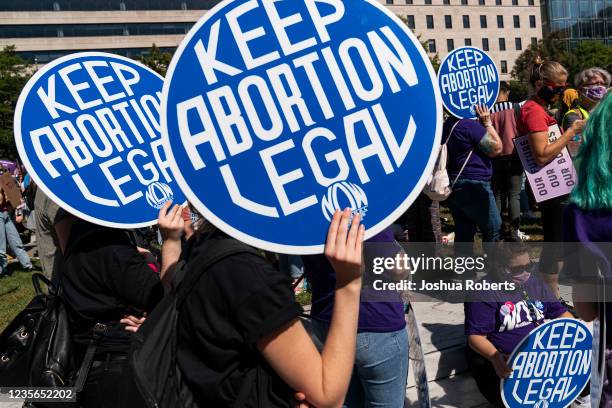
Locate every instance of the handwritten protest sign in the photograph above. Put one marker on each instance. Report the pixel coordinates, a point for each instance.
(550, 367)
(278, 113)
(87, 128)
(468, 77)
(557, 178)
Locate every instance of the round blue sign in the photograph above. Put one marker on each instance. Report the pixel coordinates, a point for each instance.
(87, 127)
(468, 77)
(550, 367)
(278, 113)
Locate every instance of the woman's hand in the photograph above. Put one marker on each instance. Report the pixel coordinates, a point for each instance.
(344, 251)
(170, 222)
(577, 127)
(484, 115)
(500, 364)
(133, 323)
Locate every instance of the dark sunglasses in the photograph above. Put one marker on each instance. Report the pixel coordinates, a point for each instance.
(555, 87)
(515, 270)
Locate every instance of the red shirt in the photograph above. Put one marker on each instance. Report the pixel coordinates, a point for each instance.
(534, 118)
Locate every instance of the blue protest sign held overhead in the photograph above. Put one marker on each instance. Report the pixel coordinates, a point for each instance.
(550, 367)
(277, 113)
(87, 128)
(468, 77)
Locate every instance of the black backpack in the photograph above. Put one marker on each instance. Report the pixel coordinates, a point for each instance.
(153, 352)
(37, 348)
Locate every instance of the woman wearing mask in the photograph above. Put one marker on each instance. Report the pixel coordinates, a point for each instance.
(497, 321)
(549, 80)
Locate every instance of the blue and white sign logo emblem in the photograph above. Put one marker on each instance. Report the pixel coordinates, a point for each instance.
(276, 113)
(87, 127)
(550, 367)
(468, 77)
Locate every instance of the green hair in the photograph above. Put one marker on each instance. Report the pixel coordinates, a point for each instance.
(594, 188)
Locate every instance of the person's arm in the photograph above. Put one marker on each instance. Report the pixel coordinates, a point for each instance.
(324, 378)
(482, 345)
(491, 144)
(171, 225)
(569, 119)
(545, 152)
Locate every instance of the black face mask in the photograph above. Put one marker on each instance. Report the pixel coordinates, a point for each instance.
(547, 93)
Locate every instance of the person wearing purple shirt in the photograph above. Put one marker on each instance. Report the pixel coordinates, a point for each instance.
(381, 359)
(497, 321)
(471, 144)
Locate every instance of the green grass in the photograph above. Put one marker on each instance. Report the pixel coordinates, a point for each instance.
(16, 291)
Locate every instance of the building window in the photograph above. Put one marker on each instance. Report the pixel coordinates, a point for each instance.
(518, 43)
(466, 21)
(534, 42)
(427, 1)
(517, 21)
(483, 21)
(431, 44)
(504, 67)
(481, 2)
(532, 21)
(464, 2)
(446, 2)
(502, 44)
(531, 2)
(450, 44)
(515, 2)
(410, 21)
(500, 21)
(485, 44)
(467, 42)
(408, 1)
(498, 2)
(389, 2)
(429, 20)
(448, 21)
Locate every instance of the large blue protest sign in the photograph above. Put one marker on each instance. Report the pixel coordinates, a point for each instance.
(550, 367)
(87, 128)
(277, 113)
(468, 77)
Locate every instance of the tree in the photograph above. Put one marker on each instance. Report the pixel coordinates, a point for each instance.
(157, 60)
(519, 91)
(548, 48)
(14, 73)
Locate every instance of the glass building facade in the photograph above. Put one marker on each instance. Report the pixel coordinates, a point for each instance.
(579, 20)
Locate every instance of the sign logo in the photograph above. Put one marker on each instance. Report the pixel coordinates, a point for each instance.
(87, 128)
(276, 113)
(468, 77)
(550, 367)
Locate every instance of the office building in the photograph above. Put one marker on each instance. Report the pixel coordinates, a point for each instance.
(578, 20)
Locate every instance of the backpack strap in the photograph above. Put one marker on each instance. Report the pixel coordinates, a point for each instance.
(466, 160)
(212, 252)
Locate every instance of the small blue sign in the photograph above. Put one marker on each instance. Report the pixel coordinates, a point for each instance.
(468, 77)
(277, 113)
(550, 367)
(87, 127)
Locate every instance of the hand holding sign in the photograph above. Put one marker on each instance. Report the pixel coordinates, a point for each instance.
(87, 129)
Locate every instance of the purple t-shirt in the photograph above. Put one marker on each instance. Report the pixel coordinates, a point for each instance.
(381, 317)
(468, 133)
(508, 319)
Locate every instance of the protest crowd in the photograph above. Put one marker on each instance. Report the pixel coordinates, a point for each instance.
(238, 336)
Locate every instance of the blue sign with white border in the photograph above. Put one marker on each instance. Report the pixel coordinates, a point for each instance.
(467, 77)
(87, 128)
(275, 114)
(550, 367)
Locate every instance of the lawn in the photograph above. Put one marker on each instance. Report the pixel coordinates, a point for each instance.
(16, 291)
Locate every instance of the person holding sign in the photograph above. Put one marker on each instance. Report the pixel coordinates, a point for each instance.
(497, 321)
(588, 219)
(240, 341)
(549, 79)
(471, 145)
